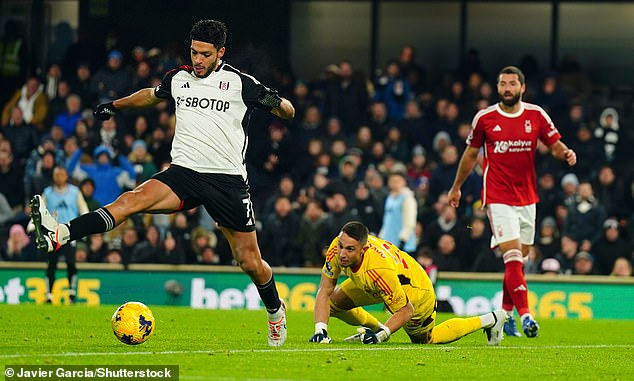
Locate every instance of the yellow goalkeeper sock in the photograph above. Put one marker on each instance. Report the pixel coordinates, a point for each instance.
(355, 316)
(453, 329)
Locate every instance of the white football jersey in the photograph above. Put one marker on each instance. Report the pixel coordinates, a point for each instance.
(212, 117)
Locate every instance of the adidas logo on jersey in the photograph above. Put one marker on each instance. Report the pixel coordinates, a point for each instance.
(185, 86)
(497, 128)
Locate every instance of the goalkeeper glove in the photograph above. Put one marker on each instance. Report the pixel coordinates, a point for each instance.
(321, 334)
(105, 111)
(269, 98)
(367, 336)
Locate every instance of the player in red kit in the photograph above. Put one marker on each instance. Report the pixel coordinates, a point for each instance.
(508, 133)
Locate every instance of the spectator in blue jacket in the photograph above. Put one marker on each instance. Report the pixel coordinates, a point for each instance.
(110, 179)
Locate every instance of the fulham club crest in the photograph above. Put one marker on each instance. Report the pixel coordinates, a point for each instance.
(224, 85)
(527, 126)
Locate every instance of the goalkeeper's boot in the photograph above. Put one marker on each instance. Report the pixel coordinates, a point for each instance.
(277, 327)
(495, 332)
(530, 327)
(510, 328)
(44, 226)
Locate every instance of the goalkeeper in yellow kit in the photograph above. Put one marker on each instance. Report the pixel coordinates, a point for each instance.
(378, 272)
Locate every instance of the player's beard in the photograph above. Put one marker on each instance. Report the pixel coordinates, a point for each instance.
(512, 101)
(213, 66)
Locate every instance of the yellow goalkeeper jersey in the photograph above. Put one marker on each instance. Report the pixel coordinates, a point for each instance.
(385, 272)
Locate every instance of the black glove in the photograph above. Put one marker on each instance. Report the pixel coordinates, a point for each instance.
(105, 111)
(269, 98)
(370, 337)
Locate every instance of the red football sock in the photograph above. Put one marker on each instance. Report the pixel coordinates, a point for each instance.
(507, 302)
(516, 284)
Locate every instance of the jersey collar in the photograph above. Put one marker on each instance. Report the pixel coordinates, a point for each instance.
(510, 115)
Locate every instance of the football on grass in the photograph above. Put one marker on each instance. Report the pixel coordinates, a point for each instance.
(133, 323)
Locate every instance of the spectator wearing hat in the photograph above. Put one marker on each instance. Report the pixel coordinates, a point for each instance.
(142, 161)
(607, 132)
(609, 247)
(569, 184)
(399, 215)
(550, 266)
(585, 218)
(110, 179)
(584, 264)
(18, 246)
(111, 81)
(418, 169)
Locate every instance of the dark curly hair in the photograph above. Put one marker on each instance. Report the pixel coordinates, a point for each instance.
(211, 31)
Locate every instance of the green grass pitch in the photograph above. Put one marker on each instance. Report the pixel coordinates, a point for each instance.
(231, 345)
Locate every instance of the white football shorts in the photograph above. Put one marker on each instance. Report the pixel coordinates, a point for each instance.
(512, 222)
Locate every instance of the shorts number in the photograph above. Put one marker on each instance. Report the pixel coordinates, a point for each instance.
(249, 209)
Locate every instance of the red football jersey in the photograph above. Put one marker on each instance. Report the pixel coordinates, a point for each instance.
(510, 142)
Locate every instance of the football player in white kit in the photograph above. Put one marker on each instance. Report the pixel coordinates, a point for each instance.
(214, 102)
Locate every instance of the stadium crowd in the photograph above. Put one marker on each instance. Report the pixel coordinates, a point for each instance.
(352, 143)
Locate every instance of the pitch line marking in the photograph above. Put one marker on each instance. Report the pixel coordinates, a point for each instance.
(304, 350)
